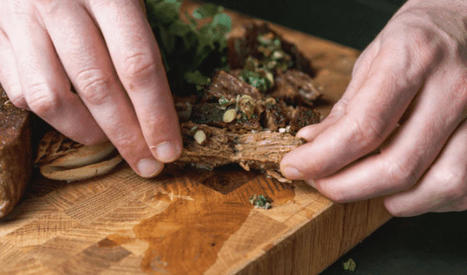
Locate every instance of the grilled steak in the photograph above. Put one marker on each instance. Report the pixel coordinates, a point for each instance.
(15, 154)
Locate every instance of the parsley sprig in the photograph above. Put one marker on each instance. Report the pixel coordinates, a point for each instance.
(192, 46)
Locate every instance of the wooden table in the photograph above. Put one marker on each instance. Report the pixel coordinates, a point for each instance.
(190, 222)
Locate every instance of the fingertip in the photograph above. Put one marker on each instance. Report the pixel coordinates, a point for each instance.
(292, 173)
(307, 133)
(167, 151)
(149, 168)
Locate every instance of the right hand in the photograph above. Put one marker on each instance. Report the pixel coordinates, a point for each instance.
(105, 49)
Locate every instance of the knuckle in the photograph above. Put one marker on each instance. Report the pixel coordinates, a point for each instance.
(94, 86)
(47, 6)
(454, 183)
(41, 99)
(401, 173)
(366, 132)
(139, 67)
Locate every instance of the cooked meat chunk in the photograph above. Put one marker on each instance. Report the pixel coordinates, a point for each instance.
(239, 48)
(15, 154)
(225, 85)
(274, 116)
(300, 117)
(295, 87)
(258, 150)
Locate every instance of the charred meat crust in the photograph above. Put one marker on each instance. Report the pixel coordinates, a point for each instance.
(15, 154)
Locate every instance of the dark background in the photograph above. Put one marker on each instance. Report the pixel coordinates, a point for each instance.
(428, 244)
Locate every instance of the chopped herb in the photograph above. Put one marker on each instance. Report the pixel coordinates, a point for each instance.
(261, 201)
(256, 80)
(350, 265)
(223, 101)
(191, 49)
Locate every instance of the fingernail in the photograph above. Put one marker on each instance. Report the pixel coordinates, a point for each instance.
(166, 151)
(149, 168)
(293, 173)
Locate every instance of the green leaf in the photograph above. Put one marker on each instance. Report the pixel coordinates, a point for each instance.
(196, 78)
(191, 48)
(349, 265)
(207, 10)
(222, 20)
(166, 11)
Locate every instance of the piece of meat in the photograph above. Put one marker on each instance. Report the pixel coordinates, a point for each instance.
(15, 154)
(239, 48)
(274, 116)
(212, 114)
(228, 86)
(256, 150)
(300, 117)
(295, 87)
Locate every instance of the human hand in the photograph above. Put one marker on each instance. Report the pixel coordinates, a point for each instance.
(413, 74)
(106, 50)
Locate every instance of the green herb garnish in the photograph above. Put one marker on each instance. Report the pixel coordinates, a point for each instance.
(261, 201)
(191, 50)
(223, 101)
(349, 265)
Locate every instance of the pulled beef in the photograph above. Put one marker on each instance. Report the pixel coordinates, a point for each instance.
(240, 48)
(274, 116)
(255, 150)
(212, 114)
(300, 117)
(271, 112)
(228, 86)
(295, 87)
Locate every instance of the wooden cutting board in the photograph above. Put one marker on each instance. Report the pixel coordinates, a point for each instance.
(190, 222)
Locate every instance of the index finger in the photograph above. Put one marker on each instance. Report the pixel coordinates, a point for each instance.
(137, 60)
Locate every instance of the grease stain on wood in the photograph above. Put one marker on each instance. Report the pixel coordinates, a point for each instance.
(207, 207)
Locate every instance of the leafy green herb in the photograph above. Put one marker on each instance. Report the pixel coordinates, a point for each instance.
(349, 265)
(198, 79)
(261, 201)
(255, 80)
(223, 101)
(191, 50)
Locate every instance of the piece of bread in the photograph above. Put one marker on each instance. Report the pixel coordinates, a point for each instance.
(15, 153)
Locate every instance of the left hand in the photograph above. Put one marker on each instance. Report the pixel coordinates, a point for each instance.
(415, 74)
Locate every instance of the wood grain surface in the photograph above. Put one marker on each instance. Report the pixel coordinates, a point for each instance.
(190, 222)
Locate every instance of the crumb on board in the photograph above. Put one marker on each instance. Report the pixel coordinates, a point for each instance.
(261, 201)
(349, 265)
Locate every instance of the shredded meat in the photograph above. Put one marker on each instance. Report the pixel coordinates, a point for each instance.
(257, 150)
(295, 87)
(228, 86)
(239, 48)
